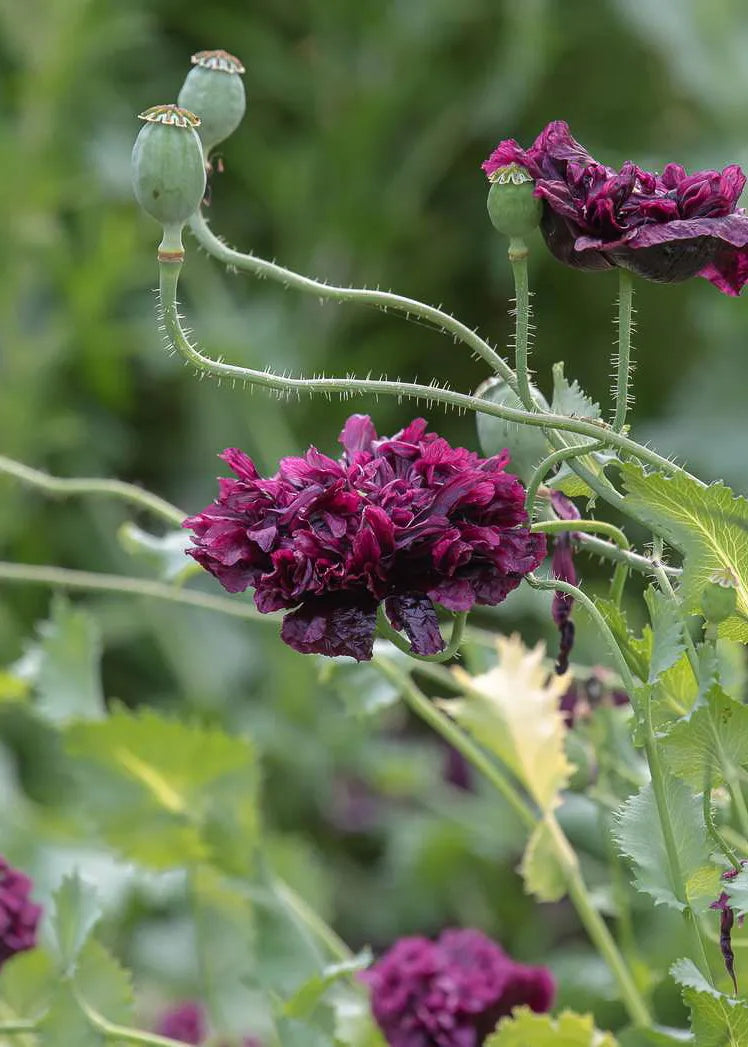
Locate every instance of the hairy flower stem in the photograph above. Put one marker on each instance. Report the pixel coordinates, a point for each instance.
(518, 259)
(623, 363)
(578, 891)
(56, 486)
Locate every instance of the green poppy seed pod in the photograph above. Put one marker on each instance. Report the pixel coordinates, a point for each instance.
(168, 172)
(526, 444)
(215, 91)
(512, 208)
(719, 597)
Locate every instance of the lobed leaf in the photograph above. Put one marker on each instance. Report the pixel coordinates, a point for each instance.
(717, 1020)
(526, 1029)
(712, 741)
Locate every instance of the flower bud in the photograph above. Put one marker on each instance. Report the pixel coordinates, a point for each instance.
(214, 90)
(526, 444)
(168, 172)
(719, 597)
(512, 208)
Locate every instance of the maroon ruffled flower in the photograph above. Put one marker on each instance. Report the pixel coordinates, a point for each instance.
(186, 1022)
(19, 917)
(451, 992)
(665, 227)
(407, 520)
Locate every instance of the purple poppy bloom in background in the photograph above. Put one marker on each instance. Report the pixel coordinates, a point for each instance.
(406, 520)
(665, 227)
(19, 917)
(186, 1022)
(562, 567)
(585, 695)
(451, 992)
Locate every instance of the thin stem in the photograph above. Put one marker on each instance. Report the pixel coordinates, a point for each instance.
(518, 260)
(18, 1028)
(584, 526)
(623, 370)
(562, 454)
(55, 485)
(36, 574)
(578, 892)
(384, 300)
(312, 921)
(122, 1033)
(168, 282)
(388, 632)
(598, 547)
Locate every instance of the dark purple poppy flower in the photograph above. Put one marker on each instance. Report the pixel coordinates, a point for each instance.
(665, 227)
(186, 1022)
(19, 917)
(451, 992)
(407, 520)
(562, 567)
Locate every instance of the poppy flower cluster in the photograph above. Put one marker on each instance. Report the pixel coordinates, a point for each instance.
(19, 916)
(451, 992)
(407, 520)
(665, 227)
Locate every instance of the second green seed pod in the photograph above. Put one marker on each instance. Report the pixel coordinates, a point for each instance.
(214, 90)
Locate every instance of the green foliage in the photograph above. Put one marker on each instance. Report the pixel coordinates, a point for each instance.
(712, 742)
(639, 836)
(166, 793)
(525, 1029)
(63, 665)
(309, 995)
(717, 1020)
(164, 554)
(76, 912)
(667, 633)
(570, 399)
(541, 869)
(710, 527)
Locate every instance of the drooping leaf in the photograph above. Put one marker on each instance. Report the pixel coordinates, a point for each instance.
(708, 524)
(526, 1029)
(167, 793)
(63, 665)
(76, 912)
(667, 633)
(712, 741)
(639, 836)
(540, 868)
(309, 995)
(103, 985)
(164, 554)
(513, 710)
(717, 1020)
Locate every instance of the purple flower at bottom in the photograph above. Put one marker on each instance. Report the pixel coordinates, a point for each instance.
(19, 916)
(404, 521)
(665, 227)
(451, 992)
(186, 1022)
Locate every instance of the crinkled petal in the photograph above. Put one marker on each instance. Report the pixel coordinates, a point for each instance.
(332, 627)
(358, 434)
(416, 617)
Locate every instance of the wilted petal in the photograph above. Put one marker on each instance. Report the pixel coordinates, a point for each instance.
(415, 616)
(332, 627)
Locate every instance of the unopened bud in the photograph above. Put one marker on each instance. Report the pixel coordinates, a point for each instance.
(512, 208)
(168, 173)
(719, 597)
(215, 91)
(526, 444)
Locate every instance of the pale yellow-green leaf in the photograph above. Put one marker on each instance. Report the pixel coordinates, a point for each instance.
(540, 868)
(513, 710)
(525, 1029)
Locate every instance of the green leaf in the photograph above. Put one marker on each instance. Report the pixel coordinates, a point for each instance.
(513, 710)
(526, 1029)
(667, 633)
(102, 984)
(527, 442)
(717, 1020)
(167, 794)
(639, 836)
(354, 1022)
(540, 868)
(708, 524)
(712, 741)
(27, 981)
(310, 994)
(164, 554)
(76, 912)
(637, 650)
(569, 399)
(63, 665)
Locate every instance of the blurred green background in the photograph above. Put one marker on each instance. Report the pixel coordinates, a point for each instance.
(359, 162)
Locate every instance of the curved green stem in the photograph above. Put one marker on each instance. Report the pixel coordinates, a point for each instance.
(93, 581)
(578, 892)
(122, 1033)
(384, 300)
(168, 282)
(623, 363)
(562, 454)
(387, 632)
(584, 527)
(19, 1028)
(55, 485)
(312, 921)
